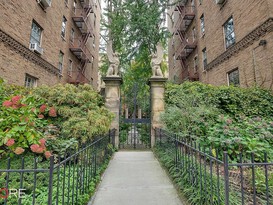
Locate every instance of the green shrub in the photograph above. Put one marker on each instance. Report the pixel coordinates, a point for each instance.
(223, 118)
(188, 179)
(64, 115)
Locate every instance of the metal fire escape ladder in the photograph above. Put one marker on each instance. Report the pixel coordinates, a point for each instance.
(80, 49)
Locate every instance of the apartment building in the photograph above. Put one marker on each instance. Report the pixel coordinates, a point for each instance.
(49, 41)
(222, 42)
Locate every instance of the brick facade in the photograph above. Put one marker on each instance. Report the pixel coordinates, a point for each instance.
(250, 54)
(17, 60)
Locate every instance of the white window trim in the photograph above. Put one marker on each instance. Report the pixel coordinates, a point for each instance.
(65, 25)
(203, 59)
(195, 66)
(32, 78)
(231, 72)
(70, 71)
(225, 45)
(41, 36)
(202, 32)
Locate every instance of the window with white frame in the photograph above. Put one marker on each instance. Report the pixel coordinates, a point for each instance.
(194, 34)
(74, 6)
(94, 42)
(195, 64)
(95, 21)
(202, 24)
(174, 60)
(36, 33)
(63, 26)
(192, 5)
(204, 52)
(229, 32)
(70, 68)
(30, 81)
(72, 35)
(233, 77)
(61, 59)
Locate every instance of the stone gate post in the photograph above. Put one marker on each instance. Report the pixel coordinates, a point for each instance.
(157, 89)
(112, 101)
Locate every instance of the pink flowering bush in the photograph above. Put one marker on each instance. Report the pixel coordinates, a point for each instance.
(28, 115)
(21, 126)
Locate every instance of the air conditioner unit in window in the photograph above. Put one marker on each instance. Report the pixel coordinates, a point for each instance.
(220, 1)
(36, 48)
(45, 3)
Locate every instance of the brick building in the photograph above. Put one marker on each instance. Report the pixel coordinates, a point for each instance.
(49, 41)
(222, 42)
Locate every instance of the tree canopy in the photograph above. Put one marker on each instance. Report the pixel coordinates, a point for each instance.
(135, 27)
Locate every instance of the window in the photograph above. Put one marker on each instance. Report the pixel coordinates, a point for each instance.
(63, 27)
(95, 21)
(94, 42)
(233, 77)
(204, 52)
(61, 59)
(202, 24)
(229, 33)
(30, 81)
(74, 6)
(72, 35)
(36, 33)
(193, 34)
(195, 64)
(192, 5)
(70, 68)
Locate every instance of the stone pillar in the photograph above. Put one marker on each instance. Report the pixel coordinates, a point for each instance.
(126, 113)
(139, 113)
(157, 89)
(112, 101)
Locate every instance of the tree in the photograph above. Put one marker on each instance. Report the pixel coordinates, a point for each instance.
(136, 27)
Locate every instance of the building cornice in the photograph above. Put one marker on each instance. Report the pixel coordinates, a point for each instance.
(27, 53)
(254, 35)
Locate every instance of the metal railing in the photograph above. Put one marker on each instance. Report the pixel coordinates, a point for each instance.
(213, 177)
(69, 178)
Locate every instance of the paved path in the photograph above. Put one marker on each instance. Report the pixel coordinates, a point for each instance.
(135, 178)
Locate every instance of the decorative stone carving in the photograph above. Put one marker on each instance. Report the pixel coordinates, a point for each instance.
(156, 62)
(113, 58)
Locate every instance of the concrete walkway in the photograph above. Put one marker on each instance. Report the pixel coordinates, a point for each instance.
(135, 178)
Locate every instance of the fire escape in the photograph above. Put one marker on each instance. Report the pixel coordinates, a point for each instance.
(188, 42)
(78, 46)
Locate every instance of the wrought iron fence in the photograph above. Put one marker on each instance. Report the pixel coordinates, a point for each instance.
(210, 177)
(64, 179)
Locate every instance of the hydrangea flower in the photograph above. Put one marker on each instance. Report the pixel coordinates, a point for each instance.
(10, 142)
(19, 150)
(42, 108)
(52, 112)
(7, 103)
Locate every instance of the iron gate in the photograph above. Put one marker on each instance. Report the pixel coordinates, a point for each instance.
(135, 121)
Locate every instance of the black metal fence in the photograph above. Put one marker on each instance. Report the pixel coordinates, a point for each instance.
(209, 177)
(67, 179)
